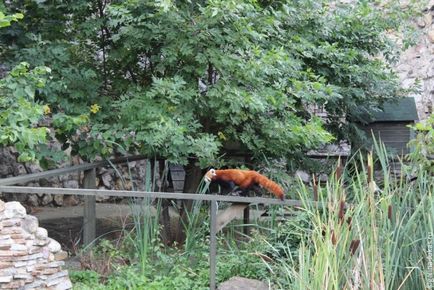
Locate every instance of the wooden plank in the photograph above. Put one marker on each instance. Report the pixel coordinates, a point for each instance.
(246, 220)
(236, 211)
(231, 213)
(178, 186)
(89, 218)
(177, 174)
(66, 170)
(171, 195)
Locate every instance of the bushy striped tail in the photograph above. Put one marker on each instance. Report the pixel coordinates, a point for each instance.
(270, 185)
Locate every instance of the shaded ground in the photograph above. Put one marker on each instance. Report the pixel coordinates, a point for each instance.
(65, 224)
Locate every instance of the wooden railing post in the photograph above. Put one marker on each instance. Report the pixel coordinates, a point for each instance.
(213, 246)
(246, 220)
(89, 220)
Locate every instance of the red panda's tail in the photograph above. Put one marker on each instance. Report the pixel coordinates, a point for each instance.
(270, 186)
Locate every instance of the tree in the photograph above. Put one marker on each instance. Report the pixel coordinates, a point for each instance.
(183, 80)
(19, 114)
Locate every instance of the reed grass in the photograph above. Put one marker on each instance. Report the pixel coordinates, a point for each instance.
(368, 236)
(145, 235)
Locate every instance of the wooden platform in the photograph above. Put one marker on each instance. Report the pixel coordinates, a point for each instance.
(236, 211)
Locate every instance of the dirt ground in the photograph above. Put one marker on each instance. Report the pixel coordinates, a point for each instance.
(65, 224)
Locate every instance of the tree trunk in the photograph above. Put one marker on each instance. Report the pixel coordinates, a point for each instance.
(193, 176)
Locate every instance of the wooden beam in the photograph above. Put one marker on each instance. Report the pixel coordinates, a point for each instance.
(232, 212)
(237, 211)
(246, 220)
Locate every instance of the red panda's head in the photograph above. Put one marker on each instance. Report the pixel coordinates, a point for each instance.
(210, 175)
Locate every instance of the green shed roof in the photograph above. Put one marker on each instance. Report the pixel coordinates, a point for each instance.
(402, 110)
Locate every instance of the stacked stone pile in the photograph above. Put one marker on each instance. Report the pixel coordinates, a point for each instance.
(29, 259)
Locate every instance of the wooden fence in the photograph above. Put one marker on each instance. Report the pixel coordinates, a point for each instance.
(8, 185)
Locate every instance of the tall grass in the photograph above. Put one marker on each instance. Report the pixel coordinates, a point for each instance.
(195, 225)
(145, 235)
(366, 236)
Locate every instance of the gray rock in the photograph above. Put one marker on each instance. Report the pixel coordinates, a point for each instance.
(64, 284)
(30, 224)
(18, 197)
(408, 83)
(33, 184)
(58, 199)
(64, 178)
(6, 279)
(33, 168)
(32, 200)
(427, 18)
(14, 209)
(101, 198)
(7, 162)
(41, 234)
(323, 177)
(431, 36)
(49, 182)
(54, 246)
(60, 256)
(46, 199)
(303, 175)
(71, 184)
(101, 170)
(71, 200)
(20, 169)
(421, 23)
(240, 283)
(18, 247)
(34, 285)
(107, 180)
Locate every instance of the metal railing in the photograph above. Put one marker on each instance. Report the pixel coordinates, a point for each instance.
(7, 185)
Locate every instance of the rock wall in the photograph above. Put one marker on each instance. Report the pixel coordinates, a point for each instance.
(416, 65)
(9, 166)
(29, 259)
(126, 176)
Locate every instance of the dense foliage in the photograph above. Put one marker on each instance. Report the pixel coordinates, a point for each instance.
(422, 154)
(181, 79)
(19, 114)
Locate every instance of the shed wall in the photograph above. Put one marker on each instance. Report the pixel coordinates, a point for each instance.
(395, 135)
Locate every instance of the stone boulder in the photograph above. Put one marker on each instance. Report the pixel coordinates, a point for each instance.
(240, 283)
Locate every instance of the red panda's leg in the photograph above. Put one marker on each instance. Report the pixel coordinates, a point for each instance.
(245, 186)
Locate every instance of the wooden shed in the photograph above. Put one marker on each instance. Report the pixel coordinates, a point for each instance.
(391, 124)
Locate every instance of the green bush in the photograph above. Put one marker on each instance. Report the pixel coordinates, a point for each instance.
(422, 146)
(85, 278)
(20, 112)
